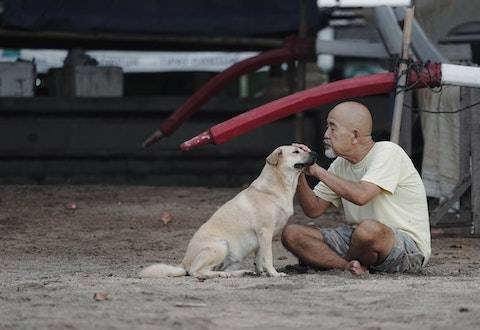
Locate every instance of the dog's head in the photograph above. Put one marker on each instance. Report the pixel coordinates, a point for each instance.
(291, 157)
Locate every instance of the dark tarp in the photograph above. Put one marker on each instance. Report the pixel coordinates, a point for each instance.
(191, 17)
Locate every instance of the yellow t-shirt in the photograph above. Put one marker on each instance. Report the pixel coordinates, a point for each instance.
(402, 204)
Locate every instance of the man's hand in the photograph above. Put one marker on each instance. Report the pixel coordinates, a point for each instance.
(301, 146)
(312, 170)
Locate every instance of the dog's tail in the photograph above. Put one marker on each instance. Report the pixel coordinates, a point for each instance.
(163, 270)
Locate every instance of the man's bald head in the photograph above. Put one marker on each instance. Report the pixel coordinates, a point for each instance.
(353, 116)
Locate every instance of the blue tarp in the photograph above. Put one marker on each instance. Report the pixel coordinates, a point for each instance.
(191, 17)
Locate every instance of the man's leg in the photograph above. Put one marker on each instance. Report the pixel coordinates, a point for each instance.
(308, 245)
(371, 244)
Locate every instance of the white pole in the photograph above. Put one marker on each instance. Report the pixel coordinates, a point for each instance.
(363, 3)
(402, 78)
(460, 75)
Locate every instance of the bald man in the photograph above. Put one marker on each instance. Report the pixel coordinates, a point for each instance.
(387, 227)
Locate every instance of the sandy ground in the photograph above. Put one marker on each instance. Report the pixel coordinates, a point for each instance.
(54, 259)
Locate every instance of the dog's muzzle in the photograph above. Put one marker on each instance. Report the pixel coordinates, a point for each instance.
(312, 156)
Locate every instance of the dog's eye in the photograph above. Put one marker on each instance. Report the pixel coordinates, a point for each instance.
(296, 152)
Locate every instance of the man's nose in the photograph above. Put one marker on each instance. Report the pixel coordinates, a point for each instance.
(327, 133)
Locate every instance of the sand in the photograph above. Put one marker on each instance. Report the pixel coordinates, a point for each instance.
(61, 245)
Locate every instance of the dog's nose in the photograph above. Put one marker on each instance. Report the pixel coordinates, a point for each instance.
(314, 155)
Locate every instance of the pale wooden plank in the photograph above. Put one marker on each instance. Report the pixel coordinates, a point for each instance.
(475, 147)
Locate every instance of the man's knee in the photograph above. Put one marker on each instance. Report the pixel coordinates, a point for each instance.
(290, 234)
(369, 231)
(295, 235)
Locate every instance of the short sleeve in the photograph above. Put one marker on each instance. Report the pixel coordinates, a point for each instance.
(324, 192)
(384, 169)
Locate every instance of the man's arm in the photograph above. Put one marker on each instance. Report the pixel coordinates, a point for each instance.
(312, 205)
(359, 193)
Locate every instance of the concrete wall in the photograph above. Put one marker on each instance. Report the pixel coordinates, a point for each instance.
(92, 140)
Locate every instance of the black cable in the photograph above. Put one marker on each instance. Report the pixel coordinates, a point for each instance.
(418, 67)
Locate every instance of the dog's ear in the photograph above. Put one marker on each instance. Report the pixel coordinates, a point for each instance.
(272, 159)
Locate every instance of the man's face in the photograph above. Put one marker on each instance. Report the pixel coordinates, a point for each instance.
(337, 138)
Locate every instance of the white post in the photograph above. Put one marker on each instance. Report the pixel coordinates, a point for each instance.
(398, 106)
(460, 75)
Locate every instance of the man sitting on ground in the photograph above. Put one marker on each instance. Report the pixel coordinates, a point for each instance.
(382, 195)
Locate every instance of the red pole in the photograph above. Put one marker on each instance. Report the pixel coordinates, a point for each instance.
(314, 97)
(293, 49)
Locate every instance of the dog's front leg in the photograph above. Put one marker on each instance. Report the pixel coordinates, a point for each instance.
(264, 256)
(258, 262)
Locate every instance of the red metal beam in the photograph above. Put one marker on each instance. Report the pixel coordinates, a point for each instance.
(294, 49)
(308, 99)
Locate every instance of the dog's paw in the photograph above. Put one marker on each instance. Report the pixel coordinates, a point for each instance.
(280, 274)
(276, 274)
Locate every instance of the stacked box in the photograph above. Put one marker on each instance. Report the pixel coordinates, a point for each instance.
(17, 79)
(86, 81)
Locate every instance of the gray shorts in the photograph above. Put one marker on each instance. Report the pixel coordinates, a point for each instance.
(404, 257)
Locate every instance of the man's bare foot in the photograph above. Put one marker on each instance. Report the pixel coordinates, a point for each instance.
(355, 268)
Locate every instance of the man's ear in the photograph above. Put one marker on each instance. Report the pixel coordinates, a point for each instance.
(356, 134)
(272, 159)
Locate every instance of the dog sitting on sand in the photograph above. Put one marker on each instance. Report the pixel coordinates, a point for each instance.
(245, 224)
